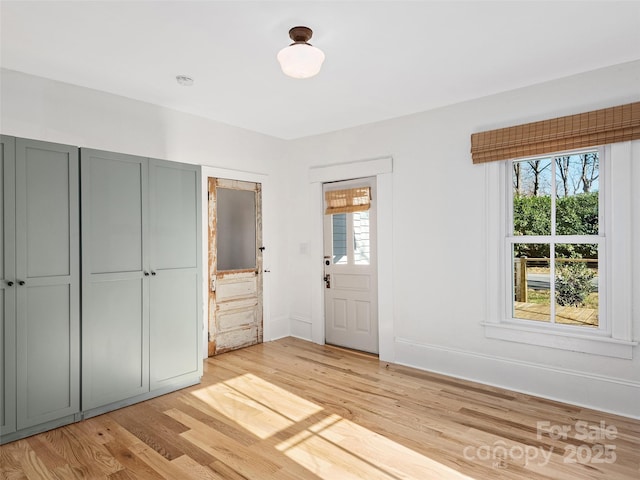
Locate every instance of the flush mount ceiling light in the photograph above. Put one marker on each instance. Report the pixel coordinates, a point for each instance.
(300, 59)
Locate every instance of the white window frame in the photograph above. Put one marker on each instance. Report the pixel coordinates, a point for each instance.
(613, 337)
(553, 238)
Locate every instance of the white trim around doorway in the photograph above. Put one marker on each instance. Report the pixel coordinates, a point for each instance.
(271, 331)
(381, 169)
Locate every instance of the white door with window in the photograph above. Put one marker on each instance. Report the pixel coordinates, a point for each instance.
(350, 273)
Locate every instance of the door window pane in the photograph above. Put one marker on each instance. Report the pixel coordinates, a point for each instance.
(339, 238)
(361, 238)
(576, 284)
(236, 229)
(531, 281)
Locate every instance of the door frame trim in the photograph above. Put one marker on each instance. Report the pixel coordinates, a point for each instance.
(382, 169)
(263, 179)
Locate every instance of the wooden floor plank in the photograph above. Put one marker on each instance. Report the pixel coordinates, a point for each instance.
(10, 468)
(293, 410)
(46, 452)
(143, 423)
(30, 464)
(85, 458)
(133, 466)
(243, 460)
(195, 470)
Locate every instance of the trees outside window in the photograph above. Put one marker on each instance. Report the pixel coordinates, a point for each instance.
(554, 239)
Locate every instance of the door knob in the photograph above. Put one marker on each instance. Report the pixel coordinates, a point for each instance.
(146, 274)
(21, 282)
(10, 284)
(153, 273)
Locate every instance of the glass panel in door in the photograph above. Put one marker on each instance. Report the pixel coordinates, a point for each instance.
(236, 232)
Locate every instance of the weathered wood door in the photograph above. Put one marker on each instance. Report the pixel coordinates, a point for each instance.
(351, 294)
(235, 265)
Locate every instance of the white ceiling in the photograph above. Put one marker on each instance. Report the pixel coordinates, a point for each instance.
(384, 59)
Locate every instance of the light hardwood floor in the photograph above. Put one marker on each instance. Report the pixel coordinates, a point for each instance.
(294, 410)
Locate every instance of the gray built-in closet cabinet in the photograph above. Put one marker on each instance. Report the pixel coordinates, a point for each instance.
(40, 286)
(141, 329)
(136, 331)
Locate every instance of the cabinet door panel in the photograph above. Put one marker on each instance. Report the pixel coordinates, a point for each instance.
(175, 314)
(114, 226)
(47, 211)
(174, 200)
(115, 352)
(6, 170)
(3, 364)
(7, 363)
(3, 415)
(7, 293)
(47, 376)
(47, 271)
(174, 327)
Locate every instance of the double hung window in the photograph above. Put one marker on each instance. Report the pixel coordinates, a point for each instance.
(555, 241)
(561, 276)
(560, 230)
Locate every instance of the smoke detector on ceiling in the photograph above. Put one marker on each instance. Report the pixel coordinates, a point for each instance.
(184, 80)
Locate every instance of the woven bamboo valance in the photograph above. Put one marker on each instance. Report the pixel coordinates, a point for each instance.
(348, 201)
(590, 129)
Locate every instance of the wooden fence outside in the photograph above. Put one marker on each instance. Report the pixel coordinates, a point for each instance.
(520, 272)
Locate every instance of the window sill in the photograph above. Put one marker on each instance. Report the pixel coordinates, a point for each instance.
(593, 344)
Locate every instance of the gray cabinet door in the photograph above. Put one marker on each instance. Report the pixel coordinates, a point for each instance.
(48, 282)
(115, 352)
(7, 287)
(175, 252)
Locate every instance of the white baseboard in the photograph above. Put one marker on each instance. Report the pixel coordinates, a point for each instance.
(278, 327)
(612, 395)
(301, 327)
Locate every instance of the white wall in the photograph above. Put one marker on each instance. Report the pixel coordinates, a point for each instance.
(438, 206)
(43, 109)
(438, 297)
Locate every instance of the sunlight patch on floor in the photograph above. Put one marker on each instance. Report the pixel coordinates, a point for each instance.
(339, 448)
(258, 406)
(331, 447)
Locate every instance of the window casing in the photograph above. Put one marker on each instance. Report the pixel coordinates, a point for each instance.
(612, 336)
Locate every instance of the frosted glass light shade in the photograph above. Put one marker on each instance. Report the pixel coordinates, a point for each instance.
(300, 60)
